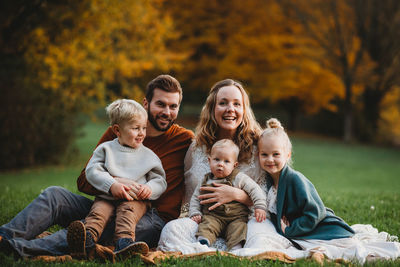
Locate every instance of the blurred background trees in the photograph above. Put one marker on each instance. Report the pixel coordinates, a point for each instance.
(60, 58)
(331, 66)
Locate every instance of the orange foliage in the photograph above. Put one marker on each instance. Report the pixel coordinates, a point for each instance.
(389, 124)
(258, 43)
(111, 42)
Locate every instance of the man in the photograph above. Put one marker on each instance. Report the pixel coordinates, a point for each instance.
(57, 205)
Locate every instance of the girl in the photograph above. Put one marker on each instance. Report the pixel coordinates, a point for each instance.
(296, 209)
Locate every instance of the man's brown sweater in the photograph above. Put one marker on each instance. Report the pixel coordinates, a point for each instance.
(170, 147)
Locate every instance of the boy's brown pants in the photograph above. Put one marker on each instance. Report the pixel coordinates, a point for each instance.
(127, 214)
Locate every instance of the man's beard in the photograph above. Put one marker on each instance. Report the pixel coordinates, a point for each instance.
(153, 121)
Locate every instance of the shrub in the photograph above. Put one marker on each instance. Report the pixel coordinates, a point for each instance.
(37, 127)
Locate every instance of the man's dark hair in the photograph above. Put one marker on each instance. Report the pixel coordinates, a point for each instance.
(163, 82)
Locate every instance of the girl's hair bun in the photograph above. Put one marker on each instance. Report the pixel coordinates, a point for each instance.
(273, 123)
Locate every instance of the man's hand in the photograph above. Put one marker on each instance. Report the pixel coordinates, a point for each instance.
(144, 192)
(120, 191)
(196, 218)
(260, 215)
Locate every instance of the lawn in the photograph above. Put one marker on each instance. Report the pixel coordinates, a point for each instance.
(359, 182)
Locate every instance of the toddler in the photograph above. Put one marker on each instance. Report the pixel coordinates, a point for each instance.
(127, 159)
(296, 209)
(230, 218)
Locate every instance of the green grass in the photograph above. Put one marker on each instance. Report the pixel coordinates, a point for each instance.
(360, 183)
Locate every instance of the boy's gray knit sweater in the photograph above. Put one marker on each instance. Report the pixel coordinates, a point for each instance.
(110, 159)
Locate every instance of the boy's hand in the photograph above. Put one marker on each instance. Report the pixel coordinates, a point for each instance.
(125, 181)
(260, 215)
(120, 191)
(284, 223)
(134, 191)
(144, 192)
(196, 218)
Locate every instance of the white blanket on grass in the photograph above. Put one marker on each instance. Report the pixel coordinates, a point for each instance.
(367, 243)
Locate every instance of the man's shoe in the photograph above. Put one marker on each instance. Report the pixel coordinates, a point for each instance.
(7, 248)
(126, 247)
(4, 246)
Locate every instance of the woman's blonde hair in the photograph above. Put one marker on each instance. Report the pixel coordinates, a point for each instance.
(247, 133)
(275, 128)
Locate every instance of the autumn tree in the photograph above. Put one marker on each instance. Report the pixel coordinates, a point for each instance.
(378, 27)
(61, 57)
(274, 57)
(330, 24)
(204, 29)
(254, 42)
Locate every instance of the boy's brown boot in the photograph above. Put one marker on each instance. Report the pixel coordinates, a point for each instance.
(79, 240)
(126, 247)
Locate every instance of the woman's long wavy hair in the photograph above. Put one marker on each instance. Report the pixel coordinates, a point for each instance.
(248, 132)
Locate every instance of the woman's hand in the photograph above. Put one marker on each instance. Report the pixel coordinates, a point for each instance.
(284, 223)
(196, 218)
(221, 194)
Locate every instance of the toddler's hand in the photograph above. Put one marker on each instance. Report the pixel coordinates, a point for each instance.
(134, 190)
(260, 215)
(120, 191)
(284, 223)
(196, 218)
(144, 192)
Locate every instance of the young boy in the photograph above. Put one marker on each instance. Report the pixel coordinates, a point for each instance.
(124, 157)
(232, 217)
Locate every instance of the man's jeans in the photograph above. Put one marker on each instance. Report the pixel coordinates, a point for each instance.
(57, 205)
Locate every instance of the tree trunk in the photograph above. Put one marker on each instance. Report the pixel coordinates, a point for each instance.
(348, 126)
(371, 111)
(292, 106)
(348, 113)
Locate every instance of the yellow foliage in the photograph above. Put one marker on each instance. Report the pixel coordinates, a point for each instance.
(389, 124)
(257, 42)
(111, 42)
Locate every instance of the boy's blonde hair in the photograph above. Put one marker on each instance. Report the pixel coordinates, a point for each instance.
(226, 143)
(275, 128)
(124, 110)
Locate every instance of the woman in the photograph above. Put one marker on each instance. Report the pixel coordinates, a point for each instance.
(226, 114)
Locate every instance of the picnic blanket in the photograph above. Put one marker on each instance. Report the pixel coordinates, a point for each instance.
(368, 244)
(156, 256)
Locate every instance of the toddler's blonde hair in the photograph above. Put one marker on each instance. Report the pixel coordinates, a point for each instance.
(125, 110)
(275, 128)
